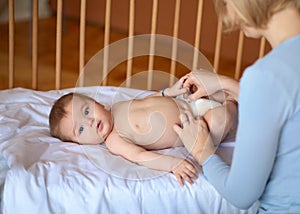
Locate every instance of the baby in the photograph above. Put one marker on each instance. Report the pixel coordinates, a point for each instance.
(134, 129)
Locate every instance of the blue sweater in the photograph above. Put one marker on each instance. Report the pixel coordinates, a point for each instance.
(266, 159)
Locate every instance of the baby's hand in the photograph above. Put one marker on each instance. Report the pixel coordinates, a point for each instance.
(185, 170)
(176, 89)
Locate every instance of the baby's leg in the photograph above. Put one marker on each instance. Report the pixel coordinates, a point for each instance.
(222, 121)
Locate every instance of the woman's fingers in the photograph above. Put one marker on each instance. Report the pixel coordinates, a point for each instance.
(201, 83)
(183, 118)
(177, 129)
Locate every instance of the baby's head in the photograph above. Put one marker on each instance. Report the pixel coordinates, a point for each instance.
(78, 118)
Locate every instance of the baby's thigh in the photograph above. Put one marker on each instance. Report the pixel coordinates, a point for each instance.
(218, 121)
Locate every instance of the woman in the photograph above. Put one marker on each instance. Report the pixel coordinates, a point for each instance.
(265, 164)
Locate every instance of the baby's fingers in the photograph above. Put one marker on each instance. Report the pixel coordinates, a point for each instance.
(190, 170)
(192, 173)
(188, 178)
(179, 179)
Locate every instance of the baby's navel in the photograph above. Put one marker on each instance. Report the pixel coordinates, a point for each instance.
(137, 126)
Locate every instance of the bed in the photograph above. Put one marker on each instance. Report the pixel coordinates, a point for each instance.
(44, 175)
(41, 174)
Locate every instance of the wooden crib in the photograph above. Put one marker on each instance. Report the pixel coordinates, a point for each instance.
(80, 29)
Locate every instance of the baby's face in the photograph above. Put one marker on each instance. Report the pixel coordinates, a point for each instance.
(86, 122)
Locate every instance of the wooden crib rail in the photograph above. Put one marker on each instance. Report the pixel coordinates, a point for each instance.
(11, 44)
(58, 45)
(199, 27)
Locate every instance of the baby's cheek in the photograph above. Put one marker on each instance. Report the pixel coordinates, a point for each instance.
(95, 139)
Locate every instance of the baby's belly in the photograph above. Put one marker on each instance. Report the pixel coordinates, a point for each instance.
(158, 134)
(151, 125)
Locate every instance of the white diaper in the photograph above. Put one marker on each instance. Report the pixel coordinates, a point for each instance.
(201, 106)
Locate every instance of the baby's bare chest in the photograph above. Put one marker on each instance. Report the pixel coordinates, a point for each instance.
(147, 123)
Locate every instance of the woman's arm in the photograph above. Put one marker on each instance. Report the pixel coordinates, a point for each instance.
(256, 144)
(231, 87)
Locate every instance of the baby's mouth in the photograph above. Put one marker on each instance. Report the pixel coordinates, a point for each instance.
(99, 126)
(100, 129)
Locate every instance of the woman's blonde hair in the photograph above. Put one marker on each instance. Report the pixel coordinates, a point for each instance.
(254, 13)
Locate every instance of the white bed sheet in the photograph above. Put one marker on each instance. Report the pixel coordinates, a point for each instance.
(47, 176)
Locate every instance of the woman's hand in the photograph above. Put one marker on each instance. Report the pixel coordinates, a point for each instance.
(201, 83)
(195, 136)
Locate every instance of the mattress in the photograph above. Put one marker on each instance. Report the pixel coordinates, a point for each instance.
(41, 174)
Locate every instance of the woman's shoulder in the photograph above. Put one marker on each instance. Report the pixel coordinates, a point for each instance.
(281, 63)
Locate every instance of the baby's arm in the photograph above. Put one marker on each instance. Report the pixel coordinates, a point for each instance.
(181, 168)
(175, 90)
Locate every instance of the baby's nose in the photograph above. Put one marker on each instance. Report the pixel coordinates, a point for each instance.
(90, 121)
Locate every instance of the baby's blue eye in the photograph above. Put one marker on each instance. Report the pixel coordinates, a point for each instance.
(81, 129)
(86, 111)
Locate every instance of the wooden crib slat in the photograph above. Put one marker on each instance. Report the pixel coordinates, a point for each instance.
(218, 46)
(262, 47)
(11, 54)
(130, 43)
(239, 56)
(106, 41)
(174, 42)
(152, 44)
(35, 16)
(82, 41)
(58, 45)
(197, 34)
